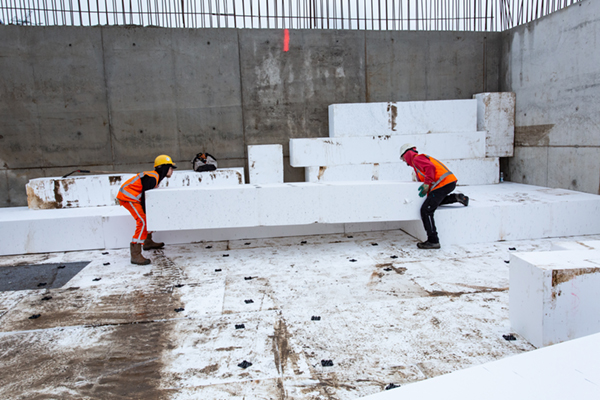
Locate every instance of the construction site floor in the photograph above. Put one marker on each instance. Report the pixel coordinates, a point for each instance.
(313, 317)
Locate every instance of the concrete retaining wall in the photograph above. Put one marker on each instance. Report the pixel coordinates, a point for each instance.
(553, 66)
(112, 98)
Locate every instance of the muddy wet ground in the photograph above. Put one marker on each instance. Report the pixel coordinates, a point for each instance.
(180, 327)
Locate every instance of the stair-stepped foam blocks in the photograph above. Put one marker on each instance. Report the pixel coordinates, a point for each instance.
(474, 171)
(513, 211)
(101, 190)
(265, 163)
(402, 118)
(496, 116)
(318, 152)
(553, 295)
(281, 204)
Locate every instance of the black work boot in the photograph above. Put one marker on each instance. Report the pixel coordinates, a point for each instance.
(462, 199)
(428, 245)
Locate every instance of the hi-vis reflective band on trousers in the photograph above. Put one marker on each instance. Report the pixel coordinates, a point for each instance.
(440, 170)
(131, 190)
(135, 209)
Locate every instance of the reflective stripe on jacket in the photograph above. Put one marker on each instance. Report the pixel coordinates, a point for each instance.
(131, 190)
(443, 175)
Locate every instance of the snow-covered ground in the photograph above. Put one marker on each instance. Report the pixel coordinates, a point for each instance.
(389, 314)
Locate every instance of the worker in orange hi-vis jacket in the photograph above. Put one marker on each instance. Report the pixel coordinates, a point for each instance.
(438, 183)
(132, 197)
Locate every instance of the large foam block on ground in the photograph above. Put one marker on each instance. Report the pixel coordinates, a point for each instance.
(101, 190)
(475, 171)
(567, 370)
(496, 116)
(578, 245)
(553, 295)
(39, 231)
(402, 118)
(281, 204)
(265, 163)
(512, 211)
(318, 152)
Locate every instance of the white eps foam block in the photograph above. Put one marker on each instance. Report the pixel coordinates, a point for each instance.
(402, 118)
(496, 116)
(316, 152)
(513, 211)
(38, 231)
(578, 245)
(281, 204)
(553, 295)
(101, 190)
(567, 370)
(474, 171)
(265, 163)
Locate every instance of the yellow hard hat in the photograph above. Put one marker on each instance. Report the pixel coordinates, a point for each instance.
(162, 160)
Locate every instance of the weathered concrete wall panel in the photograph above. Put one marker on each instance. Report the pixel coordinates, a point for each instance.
(286, 94)
(553, 66)
(404, 66)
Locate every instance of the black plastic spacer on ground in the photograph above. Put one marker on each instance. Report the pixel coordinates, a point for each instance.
(180, 285)
(105, 253)
(315, 318)
(208, 247)
(247, 244)
(225, 255)
(512, 248)
(394, 256)
(41, 284)
(327, 363)
(61, 266)
(247, 278)
(248, 301)
(240, 326)
(352, 260)
(218, 270)
(180, 309)
(387, 269)
(509, 337)
(349, 237)
(106, 264)
(374, 244)
(35, 316)
(47, 298)
(244, 364)
(391, 386)
(303, 242)
(507, 261)
(96, 279)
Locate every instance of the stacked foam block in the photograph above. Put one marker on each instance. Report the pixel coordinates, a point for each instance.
(364, 140)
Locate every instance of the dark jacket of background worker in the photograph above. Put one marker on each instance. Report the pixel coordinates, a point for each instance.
(438, 183)
(132, 196)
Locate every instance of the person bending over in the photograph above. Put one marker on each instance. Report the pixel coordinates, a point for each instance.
(132, 196)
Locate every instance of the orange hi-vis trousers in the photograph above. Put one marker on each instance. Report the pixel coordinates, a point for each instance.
(135, 209)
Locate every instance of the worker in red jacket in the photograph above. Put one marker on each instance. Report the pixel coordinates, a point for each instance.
(438, 183)
(132, 196)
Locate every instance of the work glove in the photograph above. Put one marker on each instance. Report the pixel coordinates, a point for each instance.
(423, 190)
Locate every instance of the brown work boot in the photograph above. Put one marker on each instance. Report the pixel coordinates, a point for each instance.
(136, 254)
(150, 245)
